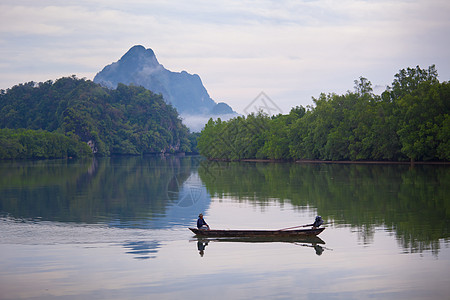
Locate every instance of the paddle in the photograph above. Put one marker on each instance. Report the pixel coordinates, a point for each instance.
(296, 227)
(316, 223)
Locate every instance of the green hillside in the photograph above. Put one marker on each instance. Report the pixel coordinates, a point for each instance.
(128, 120)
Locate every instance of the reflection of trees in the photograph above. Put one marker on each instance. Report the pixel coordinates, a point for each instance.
(412, 202)
(36, 189)
(126, 189)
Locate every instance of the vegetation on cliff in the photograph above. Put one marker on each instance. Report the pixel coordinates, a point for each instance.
(127, 120)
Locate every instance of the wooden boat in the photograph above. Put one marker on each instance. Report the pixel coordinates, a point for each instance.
(257, 233)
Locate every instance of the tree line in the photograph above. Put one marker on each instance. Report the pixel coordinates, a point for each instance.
(409, 121)
(127, 120)
(25, 144)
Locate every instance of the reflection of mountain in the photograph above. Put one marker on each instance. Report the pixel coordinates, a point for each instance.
(190, 199)
(123, 192)
(185, 190)
(186, 197)
(143, 249)
(414, 203)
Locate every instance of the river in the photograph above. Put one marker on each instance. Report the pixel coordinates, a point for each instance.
(117, 228)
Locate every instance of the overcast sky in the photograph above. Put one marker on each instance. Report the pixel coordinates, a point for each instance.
(290, 50)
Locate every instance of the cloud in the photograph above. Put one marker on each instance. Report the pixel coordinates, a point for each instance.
(291, 50)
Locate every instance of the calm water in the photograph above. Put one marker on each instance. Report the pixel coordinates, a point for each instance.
(117, 229)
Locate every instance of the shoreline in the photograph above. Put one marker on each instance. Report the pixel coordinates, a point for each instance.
(356, 162)
(374, 162)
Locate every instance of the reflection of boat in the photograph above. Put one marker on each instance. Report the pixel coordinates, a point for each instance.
(257, 233)
(311, 241)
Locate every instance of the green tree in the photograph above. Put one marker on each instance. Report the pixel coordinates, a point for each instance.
(409, 121)
(422, 120)
(128, 120)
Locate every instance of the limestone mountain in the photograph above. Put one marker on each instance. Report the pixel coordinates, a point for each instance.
(184, 91)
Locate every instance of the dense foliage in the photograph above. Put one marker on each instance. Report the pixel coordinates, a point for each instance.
(22, 144)
(127, 120)
(409, 121)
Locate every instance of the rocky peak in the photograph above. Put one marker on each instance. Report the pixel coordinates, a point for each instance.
(183, 90)
(139, 56)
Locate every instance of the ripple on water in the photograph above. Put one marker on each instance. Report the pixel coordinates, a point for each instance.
(35, 232)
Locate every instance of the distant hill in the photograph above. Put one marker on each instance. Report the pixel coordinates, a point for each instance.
(126, 120)
(184, 91)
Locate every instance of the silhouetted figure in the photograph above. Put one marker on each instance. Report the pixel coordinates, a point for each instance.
(317, 222)
(201, 223)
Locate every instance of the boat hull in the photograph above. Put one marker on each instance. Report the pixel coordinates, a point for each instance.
(257, 233)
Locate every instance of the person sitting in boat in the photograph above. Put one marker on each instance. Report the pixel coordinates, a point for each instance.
(317, 222)
(201, 223)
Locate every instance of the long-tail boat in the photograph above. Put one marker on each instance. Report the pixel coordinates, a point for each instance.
(257, 233)
(285, 232)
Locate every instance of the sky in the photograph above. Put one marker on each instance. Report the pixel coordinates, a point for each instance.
(284, 51)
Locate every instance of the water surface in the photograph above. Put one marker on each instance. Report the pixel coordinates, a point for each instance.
(116, 228)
